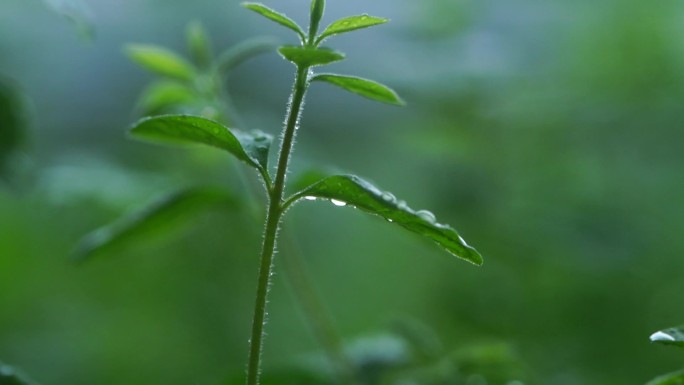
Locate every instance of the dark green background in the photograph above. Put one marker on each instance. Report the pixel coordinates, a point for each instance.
(549, 133)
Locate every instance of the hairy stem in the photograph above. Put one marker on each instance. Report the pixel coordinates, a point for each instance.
(274, 215)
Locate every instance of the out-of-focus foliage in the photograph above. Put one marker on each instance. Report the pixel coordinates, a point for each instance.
(12, 125)
(549, 134)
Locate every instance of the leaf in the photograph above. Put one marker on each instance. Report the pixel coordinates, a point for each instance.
(199, 44)
(162, 216)
(351, 190)
(676, 378)
(161, 61)
(275, 16)
(236, 55)
(672, 336)
(364, 87)
(9, 376)
(317, 10)
(349, 24)
(163, 96)
(249, 148)
(310, 56)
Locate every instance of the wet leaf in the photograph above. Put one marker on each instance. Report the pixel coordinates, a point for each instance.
(161, 61)
(364, 87)
(672, 336)
(310, 56)
(161, 217)
(251, 148)
(163, 96)
(275, 16)
(349, 24)
(676, 378)
(350, 190)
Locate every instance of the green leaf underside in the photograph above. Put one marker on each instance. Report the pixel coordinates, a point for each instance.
(672, 336)
(12, 123)
(161, 217)
(310, 56)
(9, 376)
(354, 191)
(251, 148)
(161, 61)
(275, 16)
(676, 378)
(351, 23)
(163, 95)
(364, 87)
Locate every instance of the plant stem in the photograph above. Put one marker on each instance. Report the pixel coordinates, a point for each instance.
(274, 214)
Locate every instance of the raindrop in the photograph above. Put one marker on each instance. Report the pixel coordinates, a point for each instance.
(338, 203)
(388, 197)
(426, 216)
(660, 336)
(310, 198)
(401, 205)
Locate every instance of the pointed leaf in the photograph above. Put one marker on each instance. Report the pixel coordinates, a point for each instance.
(10, 376)
(199, 44)
(676, 378)
(364, 87)
(353, 191)
(161, 61)
(351, 23)
(673, 336)
(161, 217)
(164, 96)
(317, 10)
(249, 148)
(275, 16)
(310, 56)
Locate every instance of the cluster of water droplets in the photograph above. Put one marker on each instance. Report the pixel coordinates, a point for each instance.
(425, 215)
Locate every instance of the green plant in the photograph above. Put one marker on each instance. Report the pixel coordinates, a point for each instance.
(186, 83)
(672, 337)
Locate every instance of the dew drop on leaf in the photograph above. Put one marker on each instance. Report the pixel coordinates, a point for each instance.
(660, 336)
(310, 198)
(388, 197)
(427, 216)
(338, 203)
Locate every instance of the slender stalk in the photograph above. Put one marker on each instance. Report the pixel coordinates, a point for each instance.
(274, 215)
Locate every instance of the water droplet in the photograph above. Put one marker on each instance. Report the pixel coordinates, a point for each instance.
(401, 205)
(388, 197)
(338, 203)
(426, 216)
(310, 198)
(661, 336)
(364, 17)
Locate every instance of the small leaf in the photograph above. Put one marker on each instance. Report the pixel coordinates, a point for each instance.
(275, 16)
(161, 217)
(349, 24)
(310, 56)
(164, 97)
(199, 44)
(10, 376)
(250, 148)
(239, 53)
(363, 87)
(317, 10)
(676, 378)
(161, 61)
(673, 336)
(351, 190)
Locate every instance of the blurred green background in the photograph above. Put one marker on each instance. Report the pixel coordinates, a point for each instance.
(549, 133)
